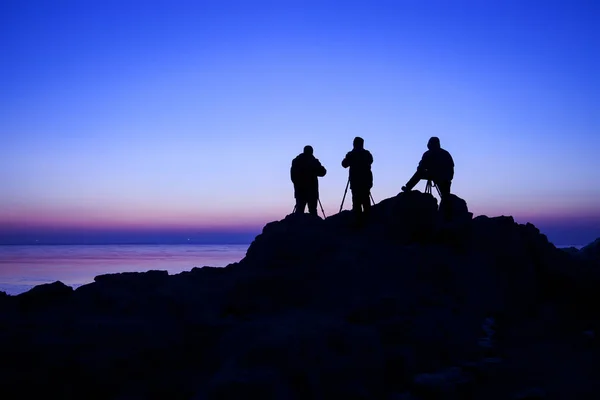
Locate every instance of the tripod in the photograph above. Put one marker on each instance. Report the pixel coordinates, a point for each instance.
(319, 200)
(346, 191)
(428, 188)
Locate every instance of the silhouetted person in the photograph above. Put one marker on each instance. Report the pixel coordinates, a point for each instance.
(361, 178)
(304, 172)
(436, 165)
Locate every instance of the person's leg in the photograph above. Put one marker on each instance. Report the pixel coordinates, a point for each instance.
(356, 202)
(300, 204)
(312, 206)
(445, 203)
(444, 187)
(366, 202)
(357, 206)
(413, 181)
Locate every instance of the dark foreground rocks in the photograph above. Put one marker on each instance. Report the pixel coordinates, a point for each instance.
(590, 253)
(406, 307)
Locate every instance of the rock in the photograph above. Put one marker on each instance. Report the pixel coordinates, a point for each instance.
(455, 220)
(411, 217)
(531, 394)
(133, 278)
(45, 295)
(447, 381)
(407, 306)
(4, 299)
(317, 355)
(297, 238)
(458, 210)
(591, 251)
(574, 251)
(249, 383)
(402, 396)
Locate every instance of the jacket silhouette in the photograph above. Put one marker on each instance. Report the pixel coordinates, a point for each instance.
(436, 165)
(305, 172)
(359, 161)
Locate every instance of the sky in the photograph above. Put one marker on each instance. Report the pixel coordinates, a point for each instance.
(178, 118)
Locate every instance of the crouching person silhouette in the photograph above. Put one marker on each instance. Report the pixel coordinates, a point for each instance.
(305, 173)
(436, 165)
(361, 178)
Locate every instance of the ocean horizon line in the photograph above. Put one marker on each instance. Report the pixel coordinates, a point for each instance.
(235, 243)
(131, 244)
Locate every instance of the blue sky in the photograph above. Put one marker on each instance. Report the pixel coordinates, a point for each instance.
(186, 115)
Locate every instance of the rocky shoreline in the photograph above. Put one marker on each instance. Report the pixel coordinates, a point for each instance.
(408, 307)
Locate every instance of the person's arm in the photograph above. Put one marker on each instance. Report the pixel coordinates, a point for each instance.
(370, 158)
(346, 161)
(321, 171)
(293, 173)
(451, 160)
(424, 163)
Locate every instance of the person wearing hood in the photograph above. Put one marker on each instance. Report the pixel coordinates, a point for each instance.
(436, 165)
(360, 176)
(305, 171)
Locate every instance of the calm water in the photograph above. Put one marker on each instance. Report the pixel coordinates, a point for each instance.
(22, 267)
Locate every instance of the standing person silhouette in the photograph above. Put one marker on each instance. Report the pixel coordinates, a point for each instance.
(305, 172)
(359, 160)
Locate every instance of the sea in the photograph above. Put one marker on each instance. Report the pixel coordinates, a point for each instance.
(23, 267)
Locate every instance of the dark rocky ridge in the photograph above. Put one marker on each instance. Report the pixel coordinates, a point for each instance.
(406, 308)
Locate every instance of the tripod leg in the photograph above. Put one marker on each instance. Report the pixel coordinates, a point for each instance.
(345, 191)
(323, 211)
(372, 198)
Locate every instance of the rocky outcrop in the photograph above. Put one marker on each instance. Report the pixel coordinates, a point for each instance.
(592, 251)
(411, 306)
(589, 253)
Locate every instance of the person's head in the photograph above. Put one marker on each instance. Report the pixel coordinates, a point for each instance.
(358, 143)
(308, 150)
(434, 143)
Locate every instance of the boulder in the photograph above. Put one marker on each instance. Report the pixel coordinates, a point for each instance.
(45, 295)
(591, 252)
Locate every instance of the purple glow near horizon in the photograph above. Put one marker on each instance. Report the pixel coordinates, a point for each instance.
(186, 115)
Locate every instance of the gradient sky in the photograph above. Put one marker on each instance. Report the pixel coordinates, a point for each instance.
(185, 116)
